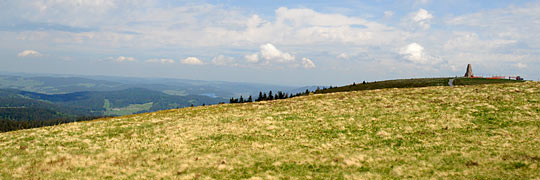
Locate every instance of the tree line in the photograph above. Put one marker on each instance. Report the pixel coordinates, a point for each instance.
(13, 125)
(263, 96)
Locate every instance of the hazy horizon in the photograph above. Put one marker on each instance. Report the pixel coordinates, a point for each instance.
(294, 43)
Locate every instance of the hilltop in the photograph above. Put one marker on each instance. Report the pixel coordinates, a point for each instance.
(416, 82)
(466, 132)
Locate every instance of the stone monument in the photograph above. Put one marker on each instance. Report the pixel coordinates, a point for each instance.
(469, 73)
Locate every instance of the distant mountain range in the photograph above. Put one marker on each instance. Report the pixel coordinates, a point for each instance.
(98, 103)
(44, 97)
(61, 84)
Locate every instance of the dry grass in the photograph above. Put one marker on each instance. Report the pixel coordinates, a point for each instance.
(472, 132)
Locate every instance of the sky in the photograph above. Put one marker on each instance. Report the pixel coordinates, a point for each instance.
(274, 42)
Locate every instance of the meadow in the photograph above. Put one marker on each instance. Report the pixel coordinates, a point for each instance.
(487, 131)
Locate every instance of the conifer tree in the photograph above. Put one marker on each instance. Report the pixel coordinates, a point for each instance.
(241, 100)
(270, 96)
(260, 97)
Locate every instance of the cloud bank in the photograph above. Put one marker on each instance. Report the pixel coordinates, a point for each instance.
(423, 37)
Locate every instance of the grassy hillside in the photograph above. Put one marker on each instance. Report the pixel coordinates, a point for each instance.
(463, 132)
(419, 82)
(474, 81)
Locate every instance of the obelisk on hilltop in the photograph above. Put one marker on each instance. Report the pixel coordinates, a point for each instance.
(469, 73)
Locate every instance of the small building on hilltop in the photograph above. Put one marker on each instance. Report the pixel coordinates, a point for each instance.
(469, 73)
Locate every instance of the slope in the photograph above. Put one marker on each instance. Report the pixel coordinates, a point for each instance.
(463, 132)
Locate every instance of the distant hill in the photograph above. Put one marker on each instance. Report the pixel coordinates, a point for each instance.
(97, 103)
(65, 98)
(488, 131)
(56, 84)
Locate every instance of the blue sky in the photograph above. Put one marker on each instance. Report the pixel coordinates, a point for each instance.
(276, 42)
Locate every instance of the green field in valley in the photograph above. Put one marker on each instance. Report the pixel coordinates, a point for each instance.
(130, 109)
(462, 132)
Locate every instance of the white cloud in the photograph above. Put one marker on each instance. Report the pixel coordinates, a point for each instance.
(270, 52)
(192, 61)
(124, 59)
(162, 61)
(199, 25)
(512, 23)
(343, 56)
(422, 18)
(470, 41)
(422, 15)
(224, 61)
(389, 13)
(252, 58)
(309, 17)
(29, 53)
(272, 56)
(254, 21)
(520, 65)
(414, 52)
(307, 63)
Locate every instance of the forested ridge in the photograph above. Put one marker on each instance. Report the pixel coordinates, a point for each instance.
(24, 109)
